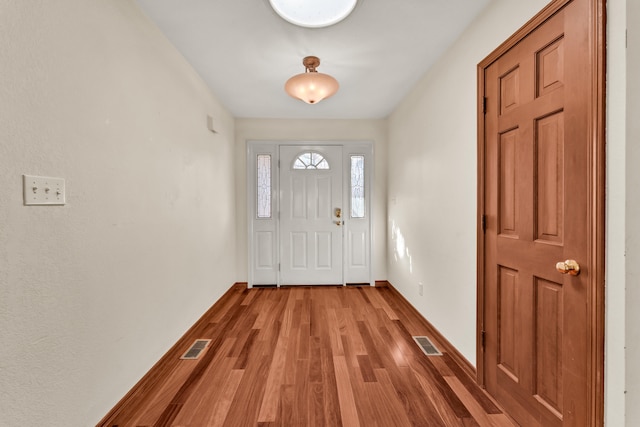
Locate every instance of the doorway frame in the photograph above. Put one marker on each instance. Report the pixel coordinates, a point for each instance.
(597, 162)
(352, 147)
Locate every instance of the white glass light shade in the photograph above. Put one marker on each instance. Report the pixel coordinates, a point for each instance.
(311, 87)
(313, 13)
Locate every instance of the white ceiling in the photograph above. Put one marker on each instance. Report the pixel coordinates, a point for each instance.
(245, 52)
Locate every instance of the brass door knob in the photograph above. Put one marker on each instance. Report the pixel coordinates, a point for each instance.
(569, 266)
(338, 223)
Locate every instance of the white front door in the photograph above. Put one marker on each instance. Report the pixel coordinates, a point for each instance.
(311, 215)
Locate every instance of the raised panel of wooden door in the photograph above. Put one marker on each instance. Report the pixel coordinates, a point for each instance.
(509, 90)
(548, 315)
(549, 150)
(537, 181)
(508, 329)
(550, 67)
(508, 197)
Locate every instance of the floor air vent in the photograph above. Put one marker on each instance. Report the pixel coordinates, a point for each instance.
(196, 348)
(427, 346)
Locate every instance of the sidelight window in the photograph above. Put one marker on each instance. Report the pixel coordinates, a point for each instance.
(264, 185)
(357, 186)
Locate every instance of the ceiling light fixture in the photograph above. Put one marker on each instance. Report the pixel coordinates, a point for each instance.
(311, 86)
(313, 13)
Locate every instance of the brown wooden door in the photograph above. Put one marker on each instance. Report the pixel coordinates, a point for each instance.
(538, 201)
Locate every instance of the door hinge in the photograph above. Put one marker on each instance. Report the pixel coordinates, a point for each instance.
(483, 223)
(278, 163)
(484, 104)
(278, 266)
(482, 338)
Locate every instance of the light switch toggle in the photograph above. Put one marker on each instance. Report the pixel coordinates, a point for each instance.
(43, 190)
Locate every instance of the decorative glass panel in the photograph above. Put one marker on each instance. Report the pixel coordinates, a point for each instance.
(264, 186)
(357, 186)
(310, 160)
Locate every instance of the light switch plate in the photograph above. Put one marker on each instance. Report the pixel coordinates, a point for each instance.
(43, 190)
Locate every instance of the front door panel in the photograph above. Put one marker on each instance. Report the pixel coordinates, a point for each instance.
(310, 227)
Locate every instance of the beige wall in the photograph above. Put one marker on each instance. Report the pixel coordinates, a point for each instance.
(314, 131)
(633, 215)
(94, 292)
(615, 221)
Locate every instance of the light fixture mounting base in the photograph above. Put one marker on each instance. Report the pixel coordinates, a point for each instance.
(311, 63)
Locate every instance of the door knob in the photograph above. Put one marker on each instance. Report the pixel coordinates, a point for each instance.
(338, 223)
(569, 266)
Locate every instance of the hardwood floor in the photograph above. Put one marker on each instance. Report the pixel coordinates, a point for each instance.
(308, 356)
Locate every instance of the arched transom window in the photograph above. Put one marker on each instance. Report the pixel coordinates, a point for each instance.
(311, 160)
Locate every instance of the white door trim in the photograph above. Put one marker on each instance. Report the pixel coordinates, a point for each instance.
(263, 244)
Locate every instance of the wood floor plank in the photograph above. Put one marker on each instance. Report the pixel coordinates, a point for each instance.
(331, 404)
(307, 356)
(348, 411)
(334, 333)
(315, 356)
(218, 414)
(301, 389)
(366, 369)
(304, 341)
(285, 406)
(316, 405)
(269, 408)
